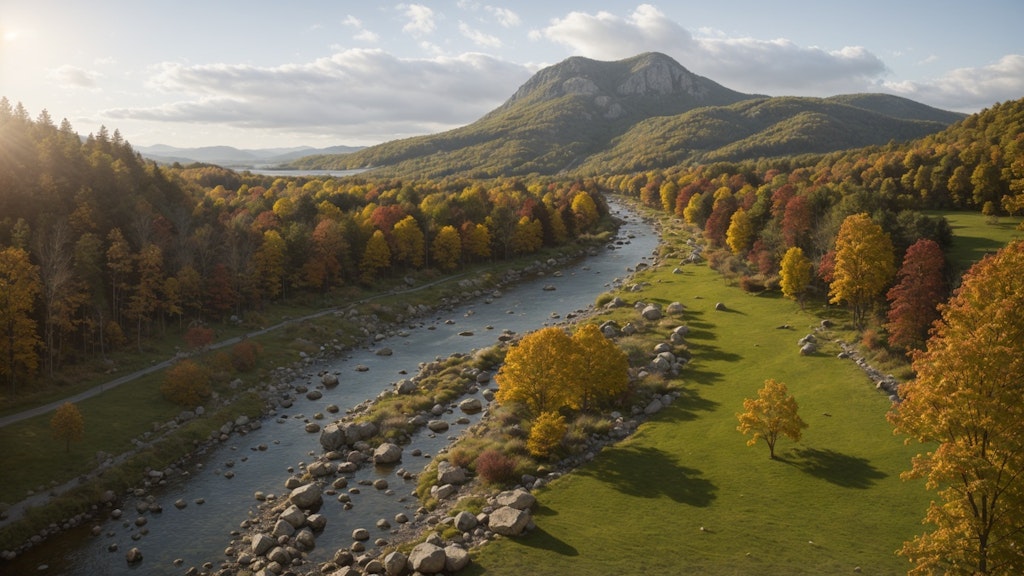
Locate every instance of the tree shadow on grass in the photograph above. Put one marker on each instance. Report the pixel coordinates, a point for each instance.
(690, 403)
(539, 538)
(839, 469)
(651, 473)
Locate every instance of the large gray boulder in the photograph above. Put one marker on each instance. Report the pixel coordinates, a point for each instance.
(509, 521)
(387, 453)
(395, 564)
(651, 312)
(448, 473)
(261, 544)
(465, 521)
(427, 558)
(519, 499)
(294, 516)
(307, 497)
(332, 437)
(471, 405)
(456, 558)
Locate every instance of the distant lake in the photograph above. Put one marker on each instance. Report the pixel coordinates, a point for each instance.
(297, 173)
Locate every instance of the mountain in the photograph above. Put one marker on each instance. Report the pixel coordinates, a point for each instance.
(588, 116)
(235, 157)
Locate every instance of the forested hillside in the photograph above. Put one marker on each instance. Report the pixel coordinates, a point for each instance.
(754, 213)
(100, 249)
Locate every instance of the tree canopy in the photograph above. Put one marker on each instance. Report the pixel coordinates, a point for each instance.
(965, 405)
(771, 415)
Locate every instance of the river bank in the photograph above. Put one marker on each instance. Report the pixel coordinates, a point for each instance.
(327, 351)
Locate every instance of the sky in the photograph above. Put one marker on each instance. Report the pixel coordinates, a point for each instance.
(272, 74)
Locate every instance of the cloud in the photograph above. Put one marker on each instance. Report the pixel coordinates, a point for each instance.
(968, 89)
(358, 91)
(479, 38)
(747, 64)
(504, 16)
(75, 77)
(421, 19)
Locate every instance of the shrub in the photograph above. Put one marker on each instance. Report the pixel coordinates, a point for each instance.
(186, 383)
(245, 354)
(603, 298)
(494, 467)
(545, 434)
(461, 457)
(198, 337)
(751, 284)
(870, 339)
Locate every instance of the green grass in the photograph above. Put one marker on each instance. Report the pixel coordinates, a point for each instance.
(640, 506)
(975, 235)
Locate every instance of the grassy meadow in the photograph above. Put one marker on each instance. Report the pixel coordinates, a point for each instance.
(828, 505)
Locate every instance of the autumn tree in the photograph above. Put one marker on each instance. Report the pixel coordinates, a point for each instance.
(795, 274)
(447, 248)
(546, 433)
(476, 241)
(740, 233)
(965, 406)
(585, 210)
(536, 370)
(602, 368)
(186, 383)
(914, 300)
(409, 242)
(771, 415)
(863, 265)
(19, 341)
(67, 424)
(270, 260)
(376, 257)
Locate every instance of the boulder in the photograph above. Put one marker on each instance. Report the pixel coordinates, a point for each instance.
(387, 453)
(306, 539)
(427, 558)
(280, 555)
(448, 473)
(471, 405)
(395, 564)
(294, 516)
(134, 556)
(654, 407)
(307, 497)
(519, 499)
(808, 349)
(438, 426)
(261, 544)
(319, 469)
(333, 437)
(651, 313)
(456, 558)
(720, 306)
(282, 528)
(329, 380)
(464, 521)
(509, 521)
(675, 309)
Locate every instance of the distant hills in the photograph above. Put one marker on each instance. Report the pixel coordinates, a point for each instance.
(234, 157)
(588, 117)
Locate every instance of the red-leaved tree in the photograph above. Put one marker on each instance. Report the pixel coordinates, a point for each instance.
(913, 301)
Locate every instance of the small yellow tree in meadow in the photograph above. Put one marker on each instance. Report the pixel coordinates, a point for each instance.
(771, 415)
(68, 424)
(546, 433)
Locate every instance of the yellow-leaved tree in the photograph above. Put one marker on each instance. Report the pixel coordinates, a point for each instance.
(771, 415)
(965, 405)
(376, 257)
(795, 274)
(536, 371)
(447, 248)
(67, 424)
(602, 369)
(740, 232)
(546, 433)
(19, 339)
(864, 265)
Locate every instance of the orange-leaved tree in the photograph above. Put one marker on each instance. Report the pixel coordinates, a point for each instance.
(67, 424)
(863, 265)
(771, 415)
(447, 248)
(965, 405)
(536, 371)
(186, 383)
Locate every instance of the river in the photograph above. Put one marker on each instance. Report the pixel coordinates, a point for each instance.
(200, 532)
